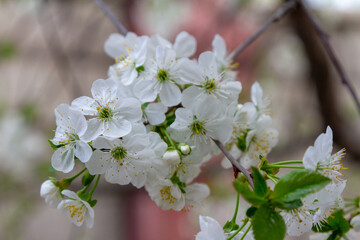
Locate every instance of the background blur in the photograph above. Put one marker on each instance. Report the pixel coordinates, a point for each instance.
(52, 50)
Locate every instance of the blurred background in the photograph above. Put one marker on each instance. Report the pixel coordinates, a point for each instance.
(52, 50)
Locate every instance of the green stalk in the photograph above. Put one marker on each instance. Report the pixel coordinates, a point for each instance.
(288, 162)
(272, 179)
(236, 208)
(246, 232)
(76, 175)
(237, 231)
(164, 132)
(95, 185)
(284, 166)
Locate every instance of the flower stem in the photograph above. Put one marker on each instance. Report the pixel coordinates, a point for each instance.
(236, 208)
(272, 178)
(246, 232)
(284, 166)
(349, 210)
(167, 135)
(237, 231)
(76, 175)
(288, 162)
(95, 185)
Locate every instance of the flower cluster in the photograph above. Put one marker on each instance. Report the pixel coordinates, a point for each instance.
(152, 122)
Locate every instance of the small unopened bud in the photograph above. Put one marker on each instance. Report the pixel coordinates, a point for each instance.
(185, 149)
(171, 157)
(239, 106)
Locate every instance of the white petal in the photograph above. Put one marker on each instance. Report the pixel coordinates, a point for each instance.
(94, 129)
(189, 71)
(183, 118)
(190, 96)
(129, 109)
(219, 46)
(185, 45)
(85, 105)
(104, 90)
(207, 62)
(170, 94)
(210, 229)
(117, 128)
(256, 94)
(83, 151)
(63, 159)
(146, 90)
(98, 163)
(310, 159)
(155, 113)
(113, 45)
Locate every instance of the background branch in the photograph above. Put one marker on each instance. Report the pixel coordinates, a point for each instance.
(280, 13)
(122, 29)
(324, 39)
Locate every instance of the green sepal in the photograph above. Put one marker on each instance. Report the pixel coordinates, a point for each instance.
(92, 203)
(230, 226)
(241, 141)
(268, 224)
(250, 196)
(53, 146)
(176, 180)
(84, 196)
(297, 184)
(140, 69)
(87, 179)
(264, 166)
(336, 223)
(250, 212)
(260, 187)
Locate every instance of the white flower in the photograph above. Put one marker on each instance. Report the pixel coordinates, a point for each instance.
(207, 81)
(166, 194)
(210, 229)
(51, 193)
(190, 165)
(129, 53)
(184, 45)
(251, 143)
(262, 103)
(161, 77)
(122, 160)
(195, 193)
(201, 122)
(298, 221)
(110, 114)
(71, 127)
(76, 209)
(355, 222)
(319, 158)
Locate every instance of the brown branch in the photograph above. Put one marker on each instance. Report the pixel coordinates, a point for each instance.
(122, 29)
(234, 163)
(324, 39)
(280, 13)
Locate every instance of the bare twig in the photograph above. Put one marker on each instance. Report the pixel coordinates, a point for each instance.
(280, 13)
(235, 163)
(324, 39)
(122, 29)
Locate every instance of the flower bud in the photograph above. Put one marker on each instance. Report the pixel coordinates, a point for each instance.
(171, 157)
(185, 149)
(51, 193)
(356, 223)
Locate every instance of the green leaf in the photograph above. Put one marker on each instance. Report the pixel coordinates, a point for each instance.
(288, 205)
(250, 212)
(268, 224)
(336, 223)
(260, 187)
(87, 179)
(299, 183)
(250, 196)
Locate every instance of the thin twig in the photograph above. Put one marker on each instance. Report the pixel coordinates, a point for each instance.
(280, 13)
(234, 162)
(324, 39)
(122, 29)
